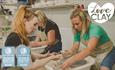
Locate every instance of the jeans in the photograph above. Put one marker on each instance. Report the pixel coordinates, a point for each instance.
(109, 60)
(53, 48)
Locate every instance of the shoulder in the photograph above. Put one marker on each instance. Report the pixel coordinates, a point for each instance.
(51, 23)
(13, 40)
(95, 27)
(13, 34)
(96, 30)
(77, 37)
(77, 33)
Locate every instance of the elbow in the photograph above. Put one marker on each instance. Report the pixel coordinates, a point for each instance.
(89, 51)
(86, 52)
(51, 42)
(30, 68)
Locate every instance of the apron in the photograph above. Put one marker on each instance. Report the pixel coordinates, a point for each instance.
(98, 54)
(41, 35)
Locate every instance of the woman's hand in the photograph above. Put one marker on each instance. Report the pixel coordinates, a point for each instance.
(50, 54)
(56, 57)
(34, 44)
(67, 63)
(67, 53)
(46, 54)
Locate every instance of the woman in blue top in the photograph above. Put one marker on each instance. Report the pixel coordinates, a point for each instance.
(94, 39)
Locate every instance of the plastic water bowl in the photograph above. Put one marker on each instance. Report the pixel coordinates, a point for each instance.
(89, 62)
(38, 49)
(82, 65)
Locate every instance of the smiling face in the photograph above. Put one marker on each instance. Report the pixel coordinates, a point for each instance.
(77, 23)
(31, 25)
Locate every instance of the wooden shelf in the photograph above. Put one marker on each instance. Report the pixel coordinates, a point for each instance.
(8, 4)
(66, 5)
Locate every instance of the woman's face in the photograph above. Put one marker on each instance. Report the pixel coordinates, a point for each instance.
(77, 23)
(31, 25)
(40, 23)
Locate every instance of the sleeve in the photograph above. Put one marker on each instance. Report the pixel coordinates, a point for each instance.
(12, 40)
(77, 37)
(52, 27)
(96, 32)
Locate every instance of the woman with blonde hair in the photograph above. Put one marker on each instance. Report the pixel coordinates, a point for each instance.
(48, 34)
(94, 40)
(24, 23)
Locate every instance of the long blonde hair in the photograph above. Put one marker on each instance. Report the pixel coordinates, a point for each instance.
(41, 16)
(18, 25)
(83, 18)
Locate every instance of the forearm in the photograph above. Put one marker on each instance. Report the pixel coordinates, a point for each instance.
(41, 62)
(37, 56)
(38, 63)
(44, 61)
(75, 47)
(37, 44)
(81, 55)
(42, 43)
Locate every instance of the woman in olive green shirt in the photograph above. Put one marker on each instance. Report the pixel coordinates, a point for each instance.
(94, 40)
